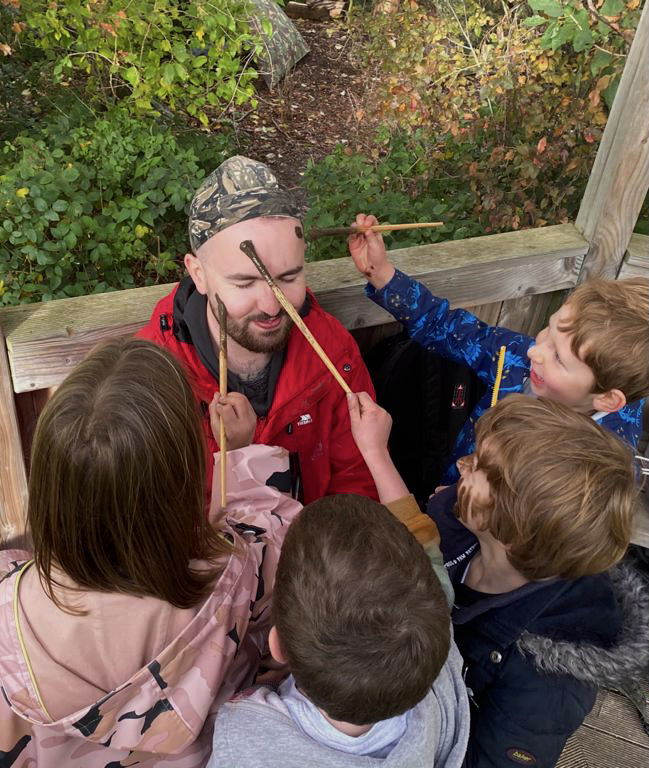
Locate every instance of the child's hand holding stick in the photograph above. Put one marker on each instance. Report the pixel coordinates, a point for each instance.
(371, 427)
(368, 252)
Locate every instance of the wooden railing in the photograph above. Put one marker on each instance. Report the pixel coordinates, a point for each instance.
(511, 279)
(45, 341)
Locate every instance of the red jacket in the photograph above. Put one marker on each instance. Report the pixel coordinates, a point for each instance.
(308, 415)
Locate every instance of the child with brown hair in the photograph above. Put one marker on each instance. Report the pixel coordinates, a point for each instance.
(136, 616)
(593, 356)
(362, 622)
(542, 511)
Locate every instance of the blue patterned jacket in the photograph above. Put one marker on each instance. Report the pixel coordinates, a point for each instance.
(462, 337)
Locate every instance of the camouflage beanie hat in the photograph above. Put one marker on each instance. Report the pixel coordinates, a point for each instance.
(239, 189)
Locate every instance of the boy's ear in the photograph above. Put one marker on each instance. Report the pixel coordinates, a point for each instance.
(196, 271)
(275, 646)
(611, 401)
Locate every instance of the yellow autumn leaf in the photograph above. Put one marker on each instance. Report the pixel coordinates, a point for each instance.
(2, 287)
(542, 63)
(22, 192)
(5, 49)
(200, 33)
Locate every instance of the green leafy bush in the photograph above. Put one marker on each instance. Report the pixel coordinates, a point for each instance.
(396, 186)
(601, 32)
(97, 207)
(154, 54)
(511, 107)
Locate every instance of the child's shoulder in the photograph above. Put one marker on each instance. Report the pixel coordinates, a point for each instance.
(257, 703)
(262, 694)
(626, 423)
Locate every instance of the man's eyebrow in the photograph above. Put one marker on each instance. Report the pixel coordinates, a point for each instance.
(256, 276)
(291, 272)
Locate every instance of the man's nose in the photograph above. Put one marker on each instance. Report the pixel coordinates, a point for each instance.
(268, 303)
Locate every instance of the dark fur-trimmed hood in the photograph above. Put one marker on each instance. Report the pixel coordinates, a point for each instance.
(618, 666)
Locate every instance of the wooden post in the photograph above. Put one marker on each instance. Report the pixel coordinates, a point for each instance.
(619, 179)
(13, 478)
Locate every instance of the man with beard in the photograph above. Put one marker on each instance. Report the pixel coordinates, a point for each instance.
(279, 392)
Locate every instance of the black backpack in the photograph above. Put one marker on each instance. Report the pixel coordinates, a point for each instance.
(429, 399)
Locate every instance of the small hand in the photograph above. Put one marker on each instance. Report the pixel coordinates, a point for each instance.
(371, 424)
(238, 416)
(369, 254)
(437, 490)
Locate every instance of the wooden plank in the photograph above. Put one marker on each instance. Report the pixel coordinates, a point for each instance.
(13, 479)
(612, 728)
(488, 313)
(640, 533)
(636, 261)
(573, 753)
(28, 408)
(604, 751)
(45, 341)
(615, 715)
(529, 314)
(619, 179)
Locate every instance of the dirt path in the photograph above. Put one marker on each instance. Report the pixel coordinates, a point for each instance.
(317, 106)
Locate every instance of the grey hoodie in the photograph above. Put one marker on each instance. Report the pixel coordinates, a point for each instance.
(255, 730)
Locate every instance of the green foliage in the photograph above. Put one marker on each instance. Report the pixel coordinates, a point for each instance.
(510, 123)
(154, 54)
(96, 207)
(396, 186)
(601, 31)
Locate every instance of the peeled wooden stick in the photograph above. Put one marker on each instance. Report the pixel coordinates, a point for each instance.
(354, 230)
(249, 249)
(223, 389)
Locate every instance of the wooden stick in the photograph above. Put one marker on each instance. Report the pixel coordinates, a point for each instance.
(249, 249)
(354, 230)
(223, 389)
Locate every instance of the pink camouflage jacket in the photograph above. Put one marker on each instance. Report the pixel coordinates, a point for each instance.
(163, 714)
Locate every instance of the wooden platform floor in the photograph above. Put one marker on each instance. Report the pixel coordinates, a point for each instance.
(611, 736)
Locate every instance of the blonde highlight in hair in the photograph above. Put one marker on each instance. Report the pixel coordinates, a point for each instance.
(609, 332)
(117, 482)
(563, 491)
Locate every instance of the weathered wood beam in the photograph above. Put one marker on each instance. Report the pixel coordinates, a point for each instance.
(640, 533)
(619, 180)
(45, 341)
(529, 314)
(13, 479)
(636, 261)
